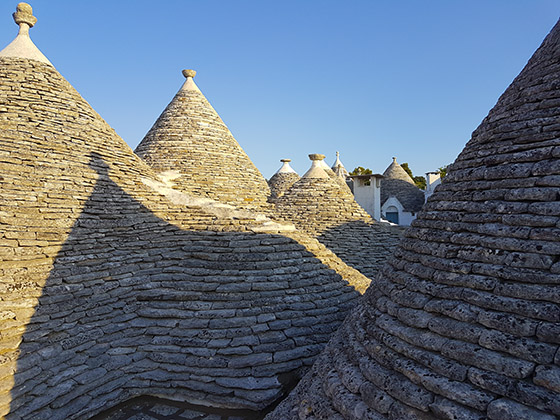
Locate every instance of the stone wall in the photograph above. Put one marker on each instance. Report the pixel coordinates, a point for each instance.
(114, 285)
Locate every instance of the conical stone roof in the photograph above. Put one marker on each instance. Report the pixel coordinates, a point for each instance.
(112, 284)
(340, 181)
(464, 320)
(191, 144)
(338, 168)
(397, 183)
(317, 202)
(282, 180)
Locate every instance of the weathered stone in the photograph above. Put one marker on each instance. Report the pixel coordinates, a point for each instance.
(504, 409)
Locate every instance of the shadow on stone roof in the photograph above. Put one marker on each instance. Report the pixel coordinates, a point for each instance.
(410, 196)
(363, 246)
(135, 305)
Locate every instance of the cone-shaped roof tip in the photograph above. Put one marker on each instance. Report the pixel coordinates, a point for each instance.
(286, 168)
(189, 73)
(317, 169)
(394, 159)
(22, 46)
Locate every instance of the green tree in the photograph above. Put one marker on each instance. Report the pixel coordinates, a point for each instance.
(420, 181)
(443, 171)
(407, 169)
(361, 171)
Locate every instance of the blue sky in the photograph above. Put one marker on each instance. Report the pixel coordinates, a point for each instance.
(372, 79)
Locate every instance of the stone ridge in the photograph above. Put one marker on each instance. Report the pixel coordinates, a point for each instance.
(112, 287)
(191, 139)
(465, 320)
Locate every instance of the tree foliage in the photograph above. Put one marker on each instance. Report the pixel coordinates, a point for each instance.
(407, 169)
(443, 171)
(361, 171)
(420, 181)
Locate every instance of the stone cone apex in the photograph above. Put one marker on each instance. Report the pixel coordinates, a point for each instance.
(396, 171)
(99, 254)
(190, 139)
(317, 169)
(464, 320)
(338, 168)
(282, 180)
(22, 46)
(317, 202)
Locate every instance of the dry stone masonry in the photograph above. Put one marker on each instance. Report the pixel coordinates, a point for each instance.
(323, 207)
(397, 183)
(317, 202)
(464, 319)
(113, 284)
(282, 180)
(190, 145)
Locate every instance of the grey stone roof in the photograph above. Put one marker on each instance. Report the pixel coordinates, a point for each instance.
(397, 183)
(113, 284)
(463, 322)
(316, 204)
(282, 180)
(191, 139)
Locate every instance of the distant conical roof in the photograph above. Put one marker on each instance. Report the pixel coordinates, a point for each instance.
(464, 320)
(396, 171)
(282, 180)
(190, 141)
(113, 285)
(397, 183)
(338, 168)
(317, 202)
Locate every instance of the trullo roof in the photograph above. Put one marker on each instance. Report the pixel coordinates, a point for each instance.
(397, 183)
(191, 144)
(463, 322)
(114, 285)
(282, 180)
(317, 202)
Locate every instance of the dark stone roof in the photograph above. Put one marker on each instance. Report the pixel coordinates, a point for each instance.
(463, 322)
(397, 183)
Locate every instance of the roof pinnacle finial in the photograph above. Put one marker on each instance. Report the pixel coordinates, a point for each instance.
(316, 156)
(189, 73)
(22, 46)
(394, 159)
(23, 17)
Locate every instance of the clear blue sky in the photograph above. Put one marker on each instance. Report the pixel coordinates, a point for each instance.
(372, 79)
